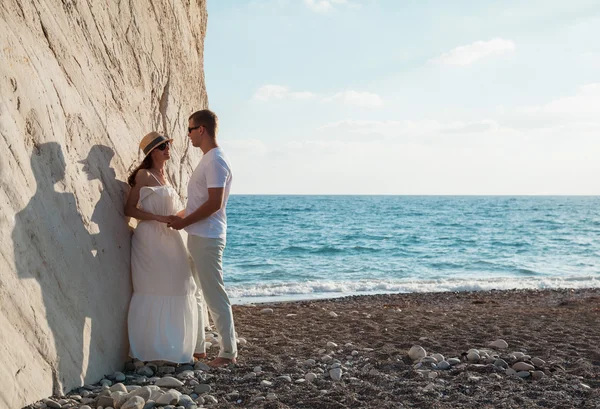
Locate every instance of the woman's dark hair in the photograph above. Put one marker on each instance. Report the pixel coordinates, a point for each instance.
(146, 164)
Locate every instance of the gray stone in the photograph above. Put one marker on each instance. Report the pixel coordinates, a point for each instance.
(501, 363)
(539, 363)
(336, 374)
(523, 366)
(499, 344)
(145, 371)
(202, 388)
(119, 376)
(444, 365)
(52, 404)
(537, 375)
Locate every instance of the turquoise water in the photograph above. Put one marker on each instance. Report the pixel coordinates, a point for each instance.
(299, 247)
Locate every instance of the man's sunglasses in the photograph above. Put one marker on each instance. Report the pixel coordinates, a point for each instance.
(191, 129)
(163, 146)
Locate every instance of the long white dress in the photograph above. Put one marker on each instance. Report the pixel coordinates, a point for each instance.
(163, 315)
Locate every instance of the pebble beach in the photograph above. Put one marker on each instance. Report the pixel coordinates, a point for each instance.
(488, 349)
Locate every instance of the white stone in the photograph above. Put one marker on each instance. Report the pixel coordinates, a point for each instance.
(540, 363)
(499, 344)
(169, 382)
(332, 314)
(266, 383)
(169, 398)
(473, 356)
(331, 345)
(438, 357)
(135, 402)
(416, 352)
(242, 341)
(310, 376)
(267, 311)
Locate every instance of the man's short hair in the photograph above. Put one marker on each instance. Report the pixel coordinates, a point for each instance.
(208, 119)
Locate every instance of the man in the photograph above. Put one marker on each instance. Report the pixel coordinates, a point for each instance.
(205, 221)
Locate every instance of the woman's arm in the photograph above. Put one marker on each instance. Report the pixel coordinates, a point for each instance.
(142, 179)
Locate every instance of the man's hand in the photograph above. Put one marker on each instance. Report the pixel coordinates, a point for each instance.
(177, 223)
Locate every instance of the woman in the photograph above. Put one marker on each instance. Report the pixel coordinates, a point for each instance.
(163, 317)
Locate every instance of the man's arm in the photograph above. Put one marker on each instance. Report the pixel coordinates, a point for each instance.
(212, 205)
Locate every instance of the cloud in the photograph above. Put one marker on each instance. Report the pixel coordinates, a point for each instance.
(271, 92)
(325, 6)
(586, 102)
(350, 97)
(410, 129)
(469, 54)
(362, 99)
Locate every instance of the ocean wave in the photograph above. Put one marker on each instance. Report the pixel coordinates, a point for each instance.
(332, 288)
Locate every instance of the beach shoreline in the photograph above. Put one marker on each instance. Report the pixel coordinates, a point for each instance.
(293, 352)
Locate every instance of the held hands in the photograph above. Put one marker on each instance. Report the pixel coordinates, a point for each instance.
(165, 219)
(177, 223)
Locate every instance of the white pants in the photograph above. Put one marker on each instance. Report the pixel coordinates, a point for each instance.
(208, 258)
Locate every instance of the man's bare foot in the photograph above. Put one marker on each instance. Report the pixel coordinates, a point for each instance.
(200, 355)
(218, 362)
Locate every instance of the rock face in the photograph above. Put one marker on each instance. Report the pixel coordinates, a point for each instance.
(81, 83)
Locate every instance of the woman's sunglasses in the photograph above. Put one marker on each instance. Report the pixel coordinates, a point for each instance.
(163, 146)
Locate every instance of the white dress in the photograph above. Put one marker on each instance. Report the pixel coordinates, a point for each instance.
(163, 315)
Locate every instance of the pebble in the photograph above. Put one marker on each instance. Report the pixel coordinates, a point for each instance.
(444, 365)
(53, 404)
(169, 398)
(354, 353)
(523, 366)
(331, 345)
(518, 355)
(438, 357)
(271, 396)
(501, 363)
(242, 341)
(538, 375)
(473, 356)
(257, 369)
(202, 366)
(210, 399)
(286, 378)
(119, 376)
(416, 352)
(454, 361)
(326, 358)
(332, 314)
(266, 311)
(540, 363)
(135, 402)
(118, 387)
(511, 372)
(266, 383)
(523, 374)
(499, 343)
(169, 382)
(202, 388)
(145, 371)
(336, 374)
(310, 376)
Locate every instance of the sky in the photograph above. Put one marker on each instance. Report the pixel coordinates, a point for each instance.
(407, 97)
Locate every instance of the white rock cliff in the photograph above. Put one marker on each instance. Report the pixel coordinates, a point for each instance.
(80, 83)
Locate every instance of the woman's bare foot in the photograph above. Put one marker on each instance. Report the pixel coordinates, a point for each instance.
(200, 355)
(218, 362)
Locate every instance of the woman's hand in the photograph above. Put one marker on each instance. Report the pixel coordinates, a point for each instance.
(165, 219)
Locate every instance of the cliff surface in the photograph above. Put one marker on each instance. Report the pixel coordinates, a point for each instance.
(81, 83)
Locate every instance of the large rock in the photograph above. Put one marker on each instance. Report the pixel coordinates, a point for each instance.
(81, 83)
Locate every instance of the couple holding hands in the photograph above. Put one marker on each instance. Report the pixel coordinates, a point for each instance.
(166, 319)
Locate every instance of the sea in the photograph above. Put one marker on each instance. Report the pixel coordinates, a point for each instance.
(282, 248)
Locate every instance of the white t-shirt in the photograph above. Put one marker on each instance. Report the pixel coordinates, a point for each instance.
(213, 170)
